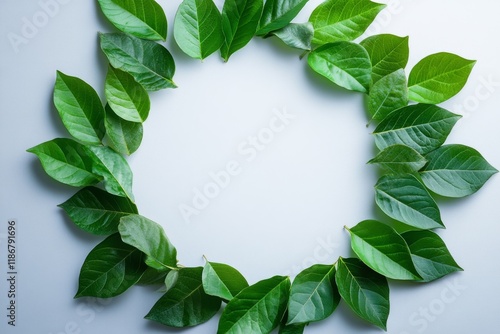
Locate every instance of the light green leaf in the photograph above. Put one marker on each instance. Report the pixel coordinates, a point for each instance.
(422, 127)
(80, 108)
(342, 20)
(344, 63)
(296, 35)
(404, 198)
(388, 94)
(399, 159)
(141, 18)
(365, 291)
(198, 28)
(148, 62)
(223, 281)
(257, 308)
(456, 171)
(438, 77)
(278, 13)
(125, 137)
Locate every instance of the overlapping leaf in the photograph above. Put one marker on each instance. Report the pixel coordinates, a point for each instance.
(223, 281)
(278, 13)
(399, 159)
(125, 137)
(388, 94)
(296, 35)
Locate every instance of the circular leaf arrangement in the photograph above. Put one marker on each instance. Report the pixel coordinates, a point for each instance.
(410, 134)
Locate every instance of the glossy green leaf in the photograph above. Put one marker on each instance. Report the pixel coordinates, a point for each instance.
(456, 171)
(150, 238)
(278, 13)
(291, 329)
(438, 77)
(346, 64)
(148, 62)
(223, 281)
(296, 35)
(381, 248)
(66, 161)
(141, 18)
(240, 20)
(422, 127)
(405, 198)
(399, 159)
(125, 137)
(388, 54)
(114, 169)
(96, 211)
(313, 296)
(80, 108)
(185, 304)
(257, 308)
(388, 94)
(110, 269)
(430, 255)
(198, 28)
(365, 291)
(152, 276)
(342, 20)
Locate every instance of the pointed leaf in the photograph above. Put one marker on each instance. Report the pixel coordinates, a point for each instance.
(223, 281)
(125, 137)
(388, 94)
(279, 13)
(399, 159)
(296, 35)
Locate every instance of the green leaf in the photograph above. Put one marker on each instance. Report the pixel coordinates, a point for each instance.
(198, 28)
(291, 329)
(185, 304)
(110, 269)
(365, 291)
(150, 238)
(96, 211)
(456, 171)
(388, 94)
(80, 108)
(421, 127)
(125, 137)
(344, 63)
(240, 20)
(148, 62)
(430, 255)
(399, 159)
(114, 169)
(342, 20)
(66, 161)
(388, 53)
(381, 248)
(258, 307)
(278, 13)
(314, 295)
(153, 276)
(438, 77)
(141, 18)
(296, 35)
(405, 198)
(223, 281)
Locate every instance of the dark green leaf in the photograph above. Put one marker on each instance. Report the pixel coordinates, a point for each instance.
(399, 159)
(223, 281)
(296, 35)
(291, 329)
(153, 277)
(278, 13)
(388, 94)
(125, 137)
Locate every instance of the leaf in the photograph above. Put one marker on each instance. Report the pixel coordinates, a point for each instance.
(257, 308)
(388, 94)
(342, 20)
(223, 281)
(438, 77)
(125, 137)
(141, 18)
(198, 28)
(399, 159)
(80, 108)
(150, 238)
(365, 291)
(404, 198)
(240, 20)
(66, 161)
(421, 127)
(110, 269)
(148, 62)
(126, 97)
(278, 13)
(114, 169)
(153, 276)
(314, 295)
(456, 171)
(296, 35)
(291, 329)
(96, 211)
(430, 255)
(185, 304)
(382, 249)
(388, 53)
(344, 63)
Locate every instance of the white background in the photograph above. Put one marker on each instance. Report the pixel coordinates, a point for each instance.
(287, 207)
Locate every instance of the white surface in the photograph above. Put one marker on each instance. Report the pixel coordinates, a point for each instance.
(284, 210)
